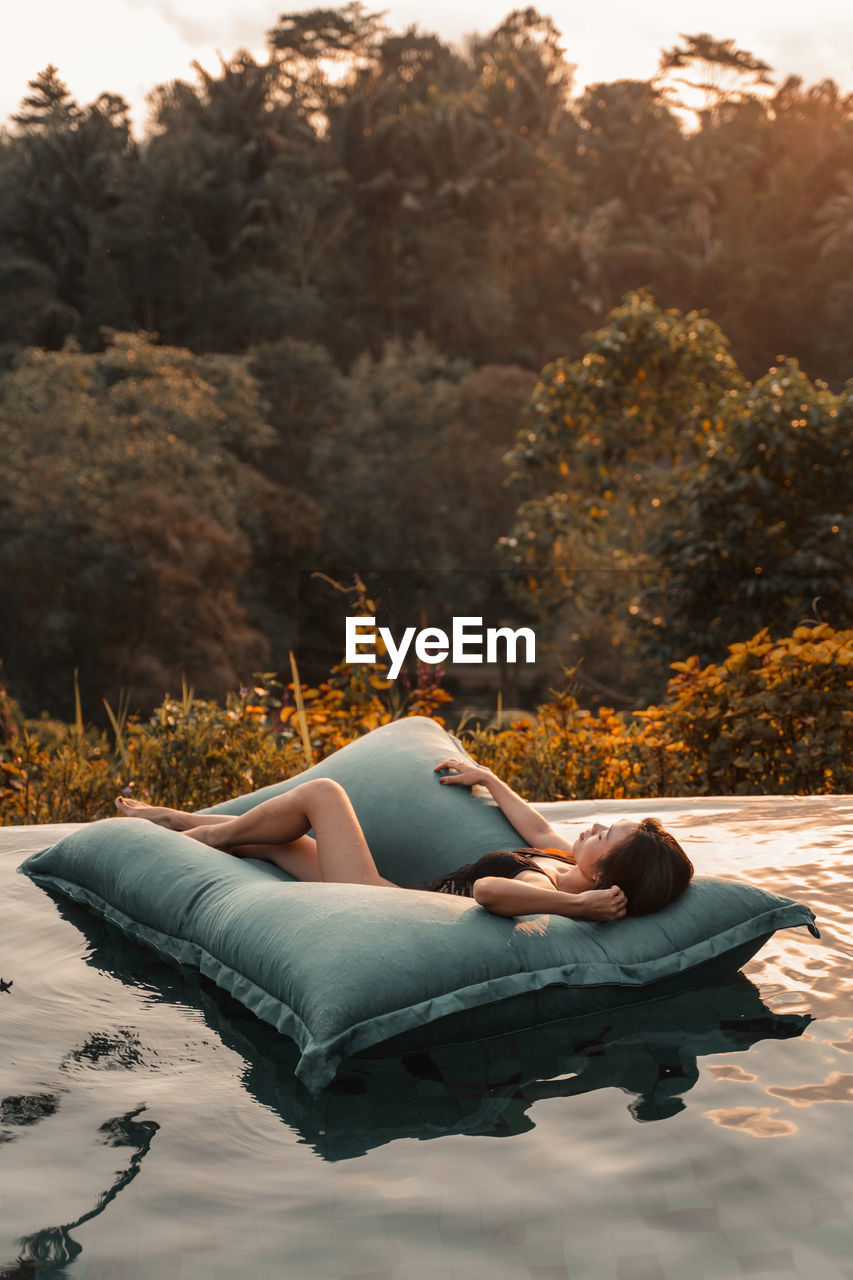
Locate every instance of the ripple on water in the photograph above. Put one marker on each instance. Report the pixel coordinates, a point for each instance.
(760, 1122)
(699, 1138)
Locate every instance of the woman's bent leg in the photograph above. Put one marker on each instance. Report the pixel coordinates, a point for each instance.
(297, 857)
(321, 805)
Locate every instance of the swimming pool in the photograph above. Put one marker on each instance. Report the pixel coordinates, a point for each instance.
(151, 1127)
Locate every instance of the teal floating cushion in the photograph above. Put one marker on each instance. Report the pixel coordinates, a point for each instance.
(344, 969)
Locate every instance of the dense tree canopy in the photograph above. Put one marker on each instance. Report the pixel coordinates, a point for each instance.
(128, 512)
(293, 326)
(362, 185)
(677, 507)
(158, 509)
(604, 447)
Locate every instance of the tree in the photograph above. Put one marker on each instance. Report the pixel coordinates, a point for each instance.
(410, 476)
(623, 149)
(602, 449)
(627, 145)
(772, 164)
(306, 44)
(762, 536)
(305, 396)
(379, 467)
(61, 173)
(48, 104)
(230, 218)
(524, 78)
(834, 218)
(716, 69)
(130, 511)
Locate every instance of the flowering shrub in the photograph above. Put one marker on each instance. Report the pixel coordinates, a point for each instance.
(775, 716)
(192, 753)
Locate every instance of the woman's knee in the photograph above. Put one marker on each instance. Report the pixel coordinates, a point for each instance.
(324, 791)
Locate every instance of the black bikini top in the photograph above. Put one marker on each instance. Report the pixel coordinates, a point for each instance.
(499, 863)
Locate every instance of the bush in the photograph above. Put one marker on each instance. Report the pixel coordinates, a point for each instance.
(775, 717)
(193, 753)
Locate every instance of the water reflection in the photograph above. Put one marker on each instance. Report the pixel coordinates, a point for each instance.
(47, 1253)
(836, 1088)
(650, 1052)
(760, 1122)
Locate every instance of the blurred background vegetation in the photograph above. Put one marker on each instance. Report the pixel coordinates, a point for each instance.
(379, 306)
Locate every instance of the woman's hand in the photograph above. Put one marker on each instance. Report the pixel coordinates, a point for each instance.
(532, 828)
(602, 904)
(465, 773)
(523, 898)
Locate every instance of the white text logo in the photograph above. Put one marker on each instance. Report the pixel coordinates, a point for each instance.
(465, 643)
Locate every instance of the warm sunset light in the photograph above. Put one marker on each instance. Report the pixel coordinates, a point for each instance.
(129, 46)
(426, 641)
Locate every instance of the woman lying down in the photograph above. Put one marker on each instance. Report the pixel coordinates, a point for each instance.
(627, 868)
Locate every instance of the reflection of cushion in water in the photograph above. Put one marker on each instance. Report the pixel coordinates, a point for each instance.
(345, 968)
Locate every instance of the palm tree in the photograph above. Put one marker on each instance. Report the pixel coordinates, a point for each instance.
(834, 231)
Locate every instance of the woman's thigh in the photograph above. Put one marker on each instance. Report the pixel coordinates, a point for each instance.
(298, 858)
(342, 848)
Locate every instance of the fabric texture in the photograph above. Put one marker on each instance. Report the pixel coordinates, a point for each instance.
(345, 969)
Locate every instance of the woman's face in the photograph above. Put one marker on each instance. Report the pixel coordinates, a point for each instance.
(592, 843)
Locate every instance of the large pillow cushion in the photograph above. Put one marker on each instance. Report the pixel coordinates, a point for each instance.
(344, 969)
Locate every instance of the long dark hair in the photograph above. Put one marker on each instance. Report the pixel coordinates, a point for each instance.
(649, 866)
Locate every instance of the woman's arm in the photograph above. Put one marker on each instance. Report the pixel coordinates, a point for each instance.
(530, 825)
(520, 898)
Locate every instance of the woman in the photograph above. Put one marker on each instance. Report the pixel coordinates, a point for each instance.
(607, 872)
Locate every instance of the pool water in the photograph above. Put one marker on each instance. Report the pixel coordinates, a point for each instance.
(151, 1127)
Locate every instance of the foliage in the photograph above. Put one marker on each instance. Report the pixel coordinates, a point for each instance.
(625, 417)
(305, 395)
(564, 753)
(628, 144)
(360, 185)
(715, 68)
(128, 505)
(761, 534)
(59, 176)
(386, 455)
(604, 444)
(772, 718)
(355, 699)
(191, 753)
(411, 471)
(194, 752)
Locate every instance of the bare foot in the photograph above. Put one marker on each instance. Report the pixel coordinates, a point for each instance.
(174, 819)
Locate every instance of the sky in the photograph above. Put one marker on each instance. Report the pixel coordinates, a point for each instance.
(129, 46)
